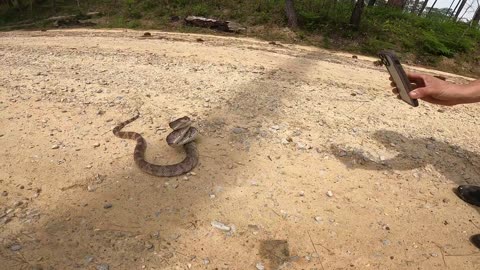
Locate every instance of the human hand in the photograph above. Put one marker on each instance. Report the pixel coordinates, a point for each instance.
(438, 91)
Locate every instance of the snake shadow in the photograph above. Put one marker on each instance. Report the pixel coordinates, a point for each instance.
(456, 164)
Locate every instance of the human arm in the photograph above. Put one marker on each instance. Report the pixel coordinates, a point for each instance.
(437, 91)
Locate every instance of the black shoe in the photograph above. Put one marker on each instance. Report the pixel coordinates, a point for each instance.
(470, 194)
(475, 239)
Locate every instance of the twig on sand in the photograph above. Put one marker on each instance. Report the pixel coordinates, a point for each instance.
(441, 252)
(315, 248)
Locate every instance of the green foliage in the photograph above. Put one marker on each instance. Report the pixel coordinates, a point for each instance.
(428, 37)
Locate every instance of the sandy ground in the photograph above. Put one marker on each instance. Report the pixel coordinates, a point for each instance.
(306, 158)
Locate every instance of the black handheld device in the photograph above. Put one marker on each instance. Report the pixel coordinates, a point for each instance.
(391, 62)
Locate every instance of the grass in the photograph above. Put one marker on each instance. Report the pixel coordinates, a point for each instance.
(425, 40)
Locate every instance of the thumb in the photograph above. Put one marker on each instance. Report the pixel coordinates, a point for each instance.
(420, 92)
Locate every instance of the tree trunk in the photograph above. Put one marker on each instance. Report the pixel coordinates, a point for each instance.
(476, 17)
(397, 3)
(423, 7)
(430, 10)
(291, 14)
(357, 14)
(462, 4)
(371, 3)
(54, 6)
(415, 5)
(450, 8)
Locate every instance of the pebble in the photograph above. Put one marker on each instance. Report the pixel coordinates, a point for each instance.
(107, 205)
(96, 145)
(301, 193)
(301, 146)
(55, 146)
(91, 188)
(276, 127)
(239, 130)
(88, 259)
(148, 245)
(386, 242)
(329, 193)
(15, 247)
(318, 219)
(220, 226)
(260, 266)
(206, 261)
(103, 266)
(185, 178)
(4, 193)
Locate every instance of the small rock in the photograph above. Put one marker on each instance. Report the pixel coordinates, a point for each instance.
(55, 146)
(148, 245)
(206, 261)
(147, 34)
(434, 254)
(318, 219)
(329, 193)
(301, 146)
(17, 203)
(88, 259)
(275, 127)
(220, 226)
(107, 205)
(260, 266)
(15, 247)
(301, 193)
(185, 178)
(4, 193)
(386, 242)
(91, 188)
(239, 130)
(193, 173)
(103, 266)
(96, 145)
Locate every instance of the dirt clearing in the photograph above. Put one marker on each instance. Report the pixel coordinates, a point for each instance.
(307, 161)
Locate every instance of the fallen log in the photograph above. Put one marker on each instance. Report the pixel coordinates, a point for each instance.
(226, 26)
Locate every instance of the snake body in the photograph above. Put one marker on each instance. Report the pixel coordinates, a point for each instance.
(183, 134)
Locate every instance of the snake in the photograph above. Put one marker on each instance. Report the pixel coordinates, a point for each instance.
(183, 134)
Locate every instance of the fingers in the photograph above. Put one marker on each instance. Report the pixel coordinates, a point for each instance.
(418, 79)
(420, 92)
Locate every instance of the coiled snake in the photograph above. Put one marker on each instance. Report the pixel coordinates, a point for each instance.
(182, 134)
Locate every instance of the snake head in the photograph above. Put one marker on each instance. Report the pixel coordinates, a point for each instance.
(180, 123)
(182, 136)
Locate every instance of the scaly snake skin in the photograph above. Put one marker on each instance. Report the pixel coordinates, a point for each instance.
(189, 145)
